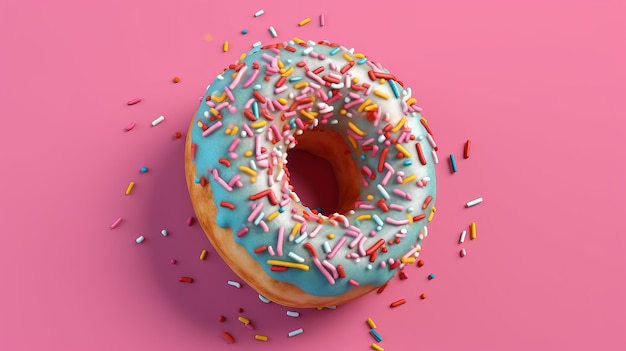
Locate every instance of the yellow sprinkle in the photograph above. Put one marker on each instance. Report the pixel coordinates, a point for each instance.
(330, 236)
(356, 129)
(365, 216)
(298, 40)
(371, 107)
(252, 179)
(296, 229)
(355, 80)
(199, 124)
(301, 85)
(432, 214)
(272, 215)
(309, 115)
(282, 101)
(370, 197)
(403, 150)
(377, 348)
(364, 104)
(225, 46)
(473, 231)
(304, 21)
(424, 119)
(352, 141)
(400, 124)
(214, 112)
(248, 153)
(218, 98)
(382, 81)
(242, 56)
(248, 171)
(203, 255)
(130, 188)
(244, 320)
(407, 260)
(234, 130)
(359, 55)
(301, 266)
(281, 65)
(371, 323)
(260, 337)
(347, 57)
(258, 124)
(410, 218)
(227, 131)
(287, 72)
(409, 179)
(411, 101)
(380, 94)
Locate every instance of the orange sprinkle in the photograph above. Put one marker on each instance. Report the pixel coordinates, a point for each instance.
(176, 79)
(397, 303)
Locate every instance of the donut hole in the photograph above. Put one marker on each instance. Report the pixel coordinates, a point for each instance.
(323, 173)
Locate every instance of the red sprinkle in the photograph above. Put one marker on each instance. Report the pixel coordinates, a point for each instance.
(466, 149)
(397, 303)
(382, 288)
(227, 205)
(185, 280)
(419, 217)
(260, 249)
(229, 338)
(427, 202)
(375, 247)
(420, 153)
(224, 161)
(341, 271)
(382, 159)
(278, 269)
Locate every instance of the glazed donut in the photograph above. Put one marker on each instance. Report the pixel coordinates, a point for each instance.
(327, 100)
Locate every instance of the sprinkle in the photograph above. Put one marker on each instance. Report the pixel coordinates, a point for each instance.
(296, 257)
(293, 314)
(473, 231)
(397, 303)
(190, 221)
(164, 232)
(134, 101)
(229, 338)
(295, 332)
(225, 47)
(130, 126)
(431, 276)
(234, 283)
(353, 282)
(452, 164)
(371, 323)
(227, 205)
(143, 169)
(466, 149)
(322, 20)
(203, 255)
(140, 239)
(420, 263)
(474, 202)
(375, 334)
(463, 253)
(259, 13)
(158, 120)
(176, 79)
(244, 31)
(288, 264)
(260, 337)
(185, 280)
(130, 188)
(116, 223)
(243, 320)
(423, 296)
(462, 238)
(221, 318)
(304, 21)
(264, 299)
(336, 248)
(377, 348)
(273, 32)
(420, 153)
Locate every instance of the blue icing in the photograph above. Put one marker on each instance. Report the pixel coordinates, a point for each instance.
(214, 146)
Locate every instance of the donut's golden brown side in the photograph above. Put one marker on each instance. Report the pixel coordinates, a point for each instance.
(238, 259)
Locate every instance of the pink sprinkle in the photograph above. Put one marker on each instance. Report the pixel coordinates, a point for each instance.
(190, 220)
(130, 126)
(322, 20)
(353, 282)
(116, 223)
(279, 246)
(134, 101)
(336, 248)
(243, 231)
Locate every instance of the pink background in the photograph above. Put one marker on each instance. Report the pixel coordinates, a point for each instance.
(538, 87)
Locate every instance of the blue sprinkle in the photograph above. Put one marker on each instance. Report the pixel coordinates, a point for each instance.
(376, 335)
(281, 210)
(357, 223)
(408, 162)
(361, 61)
(334, 51)
(255, 109)
(301, 238)
(256, 87)
(197, 180)
(244, 31)
(392, 83)
(452, 163)
(294, 79)
(362, 157)
(144, 169)
(431, 276)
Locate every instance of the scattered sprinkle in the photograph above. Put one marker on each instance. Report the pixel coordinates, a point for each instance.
(420, 263)
(474, 202)
(116, 223)
(466, 149)
(371, 323)
(234, 283)
(264, 299)
(173, 261)
(221, 318)
(225, 47)
(273, 32)
(322, 20)
(134, 101)
(203, 255)
(463, 253)
(140, 239)
(473, 231)
(423, 296)
(177, 135)
(431, 276)
(229, 338)
(190, 221)
(130, 187)
(244, 31)
(259, 13)
(130, 126)
(377, 348)
(293, 314)
(462, 238)
(295, 332)
(158, 120)
(304, 21)
(185, 280)
(452, 164)
(164, 232)
(375, 335)
(143, 169)
(260, 337)
(176, 79)
(397, 303)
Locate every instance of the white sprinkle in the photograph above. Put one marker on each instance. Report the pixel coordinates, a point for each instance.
(259, 13)
(234, 283)
(273, 32)
(435, 157)
(382, 191)
(140, 239)
(158, 120)
(164, 232)
(474, 202)
(293, 314)
(258, 43)
(462, 238)
(326, 247)
(296, 257)
(264, 299)
(295, 332)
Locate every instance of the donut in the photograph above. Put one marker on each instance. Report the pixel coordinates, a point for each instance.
(325, 99)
